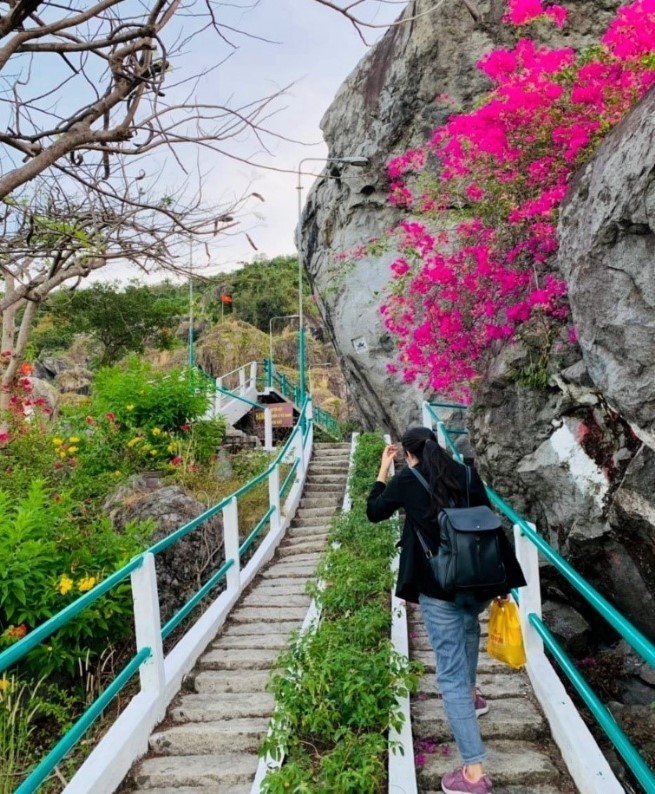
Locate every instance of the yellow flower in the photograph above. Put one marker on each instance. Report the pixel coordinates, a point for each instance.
(156, 431)
(5, 684)
(57, 441)
(65, 584)
(134, 441)
(129, 407)
(172, 447)
(118, 473)
(74, 440)
(63, 454)
(72, 450)
(154, 453)
(86, 583)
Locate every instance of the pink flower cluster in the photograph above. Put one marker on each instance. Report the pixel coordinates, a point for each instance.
(521, 12)
(456, 295)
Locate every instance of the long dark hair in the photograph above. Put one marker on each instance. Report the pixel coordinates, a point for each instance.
(441, 469)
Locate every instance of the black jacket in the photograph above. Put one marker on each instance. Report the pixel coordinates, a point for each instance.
(404, 491)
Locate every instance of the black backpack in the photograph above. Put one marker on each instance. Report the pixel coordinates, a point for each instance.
(469, 559)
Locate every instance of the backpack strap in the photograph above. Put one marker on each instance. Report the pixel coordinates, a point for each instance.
(421, 539)
(468, 486)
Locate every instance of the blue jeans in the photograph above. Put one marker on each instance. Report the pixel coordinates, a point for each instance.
(454, 633)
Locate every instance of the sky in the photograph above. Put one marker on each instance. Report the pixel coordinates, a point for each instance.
(315, 49)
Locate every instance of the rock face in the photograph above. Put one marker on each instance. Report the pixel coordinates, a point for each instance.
(185, 566)
(576, 455)
(607, 254)
(386, 106)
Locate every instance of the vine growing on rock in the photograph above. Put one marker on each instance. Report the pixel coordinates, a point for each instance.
(475, 261)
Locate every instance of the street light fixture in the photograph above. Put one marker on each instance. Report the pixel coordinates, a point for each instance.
(355, 161)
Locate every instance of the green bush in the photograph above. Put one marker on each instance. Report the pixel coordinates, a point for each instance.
(336, 689)
(46, 562)
(142, 398)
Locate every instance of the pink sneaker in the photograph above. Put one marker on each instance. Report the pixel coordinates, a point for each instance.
(481, 705)
(456, 783)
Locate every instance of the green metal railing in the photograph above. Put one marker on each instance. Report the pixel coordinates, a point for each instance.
(291, 391)
(16, 652)
(641, 644)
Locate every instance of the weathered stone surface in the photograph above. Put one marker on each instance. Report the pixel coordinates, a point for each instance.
(212, 681)
(568, 626)
(76, 380)
(228, 706)
(386, 106)
(491, 685)
(231, 735)
(509, 762)
(227, 769)
(607, 253)
(239, 659)
(185, 566)
(509, 718)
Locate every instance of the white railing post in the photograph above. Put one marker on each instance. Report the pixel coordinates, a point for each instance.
(441, 438)
(253, 374)
(274, 498)
(300, 454)
(242, 381)
(426, 416)
(147, 625)
(528, 557)
(219, 395)
(231, 544)
(307, 447)
(268, 430)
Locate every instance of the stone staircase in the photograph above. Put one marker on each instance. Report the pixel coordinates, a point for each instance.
(523, 759)
(210, 738)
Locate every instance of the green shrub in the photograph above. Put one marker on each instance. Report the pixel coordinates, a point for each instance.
(46, 562)
(337, 688)
(142, 398)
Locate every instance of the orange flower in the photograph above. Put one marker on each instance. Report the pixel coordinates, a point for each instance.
(26, 368)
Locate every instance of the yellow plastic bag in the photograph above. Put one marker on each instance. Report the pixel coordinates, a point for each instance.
(505, 641)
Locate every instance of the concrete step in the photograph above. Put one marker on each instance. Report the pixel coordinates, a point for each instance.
(320, 501)
(290, 608)
(278, 641)
(221, 769)
(289, 571)
(216, 681)
(301, 558)
(259, 629)
(509, 763)
(226, 706)
(485, 664)
(293, 548)
(321, 513)
(215, 789)
(508, 718)
(491, 685)
(311, 522)
(233, 735)
(239, 659)
(326, 479)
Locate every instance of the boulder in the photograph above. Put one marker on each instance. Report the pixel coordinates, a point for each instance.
(568, 626)
(75, 380)
(607, 254)
(386, 106)
(185, 566)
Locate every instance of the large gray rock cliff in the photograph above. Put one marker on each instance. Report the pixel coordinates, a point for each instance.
(574, 454)
(386, 106)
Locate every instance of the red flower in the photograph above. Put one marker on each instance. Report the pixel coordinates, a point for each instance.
(89, 420)
(110, 416)
(185, 427)
(5, 437)
(176, 461)
(16, 632)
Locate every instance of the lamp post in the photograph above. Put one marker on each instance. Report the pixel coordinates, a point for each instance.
(356, 161)
(270, 331)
